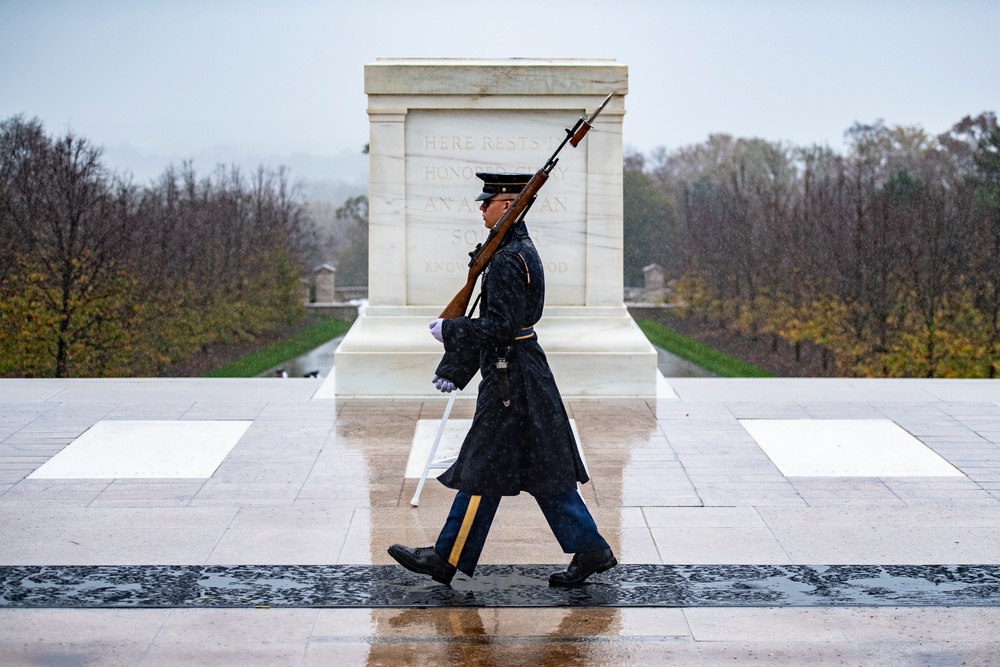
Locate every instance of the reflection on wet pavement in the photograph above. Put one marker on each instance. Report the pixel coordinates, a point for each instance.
(484, 637)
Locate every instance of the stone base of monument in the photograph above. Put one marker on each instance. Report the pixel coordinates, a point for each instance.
(593, 352)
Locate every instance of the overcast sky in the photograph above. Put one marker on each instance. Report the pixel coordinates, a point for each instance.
(158, 82)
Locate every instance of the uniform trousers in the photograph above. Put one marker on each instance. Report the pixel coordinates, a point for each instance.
(464, 534)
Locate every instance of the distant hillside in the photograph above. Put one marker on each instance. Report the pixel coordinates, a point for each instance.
(331, 178)
(333, 192)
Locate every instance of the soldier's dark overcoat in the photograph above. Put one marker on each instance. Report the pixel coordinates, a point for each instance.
(527, 445)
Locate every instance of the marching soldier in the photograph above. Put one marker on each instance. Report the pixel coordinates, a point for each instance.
(520, 439)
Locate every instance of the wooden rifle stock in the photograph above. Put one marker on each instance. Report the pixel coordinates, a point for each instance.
(484, 252)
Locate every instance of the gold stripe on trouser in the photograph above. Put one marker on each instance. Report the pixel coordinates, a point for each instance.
(463, 532)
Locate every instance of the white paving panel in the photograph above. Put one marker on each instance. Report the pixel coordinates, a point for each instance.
(423, 441)
(845, 448)
(113, 449)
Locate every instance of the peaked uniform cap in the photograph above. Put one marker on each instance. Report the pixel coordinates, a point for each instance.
(502, 183)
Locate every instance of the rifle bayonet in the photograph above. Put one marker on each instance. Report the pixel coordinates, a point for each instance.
(583, 126)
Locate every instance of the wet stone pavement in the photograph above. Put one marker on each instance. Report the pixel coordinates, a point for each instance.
(278, 557)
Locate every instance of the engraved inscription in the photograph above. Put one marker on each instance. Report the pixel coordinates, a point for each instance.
(442, 173)
(471, 237)
(514, 143)
(449, 205)
(444, 152)
(468, 172)
(553, 204)
(436, 143)
(466, 205)
(432, 266)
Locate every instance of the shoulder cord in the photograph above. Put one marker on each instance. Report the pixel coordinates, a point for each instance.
(476, 302)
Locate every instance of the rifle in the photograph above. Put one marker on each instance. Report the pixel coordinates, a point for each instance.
(485, 251)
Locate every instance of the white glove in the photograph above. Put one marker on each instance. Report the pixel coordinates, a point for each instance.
(444, 386)
(435, 328)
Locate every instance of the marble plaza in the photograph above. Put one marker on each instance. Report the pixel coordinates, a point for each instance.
(276, 556)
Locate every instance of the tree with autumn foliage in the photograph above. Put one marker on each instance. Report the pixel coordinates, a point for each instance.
(99, 277)
(888, 256)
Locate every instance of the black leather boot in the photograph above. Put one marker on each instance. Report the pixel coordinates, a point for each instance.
(423, 560)
(582, 566)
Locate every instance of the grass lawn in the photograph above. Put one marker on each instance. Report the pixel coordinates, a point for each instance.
(707, 357)
(255, 363)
